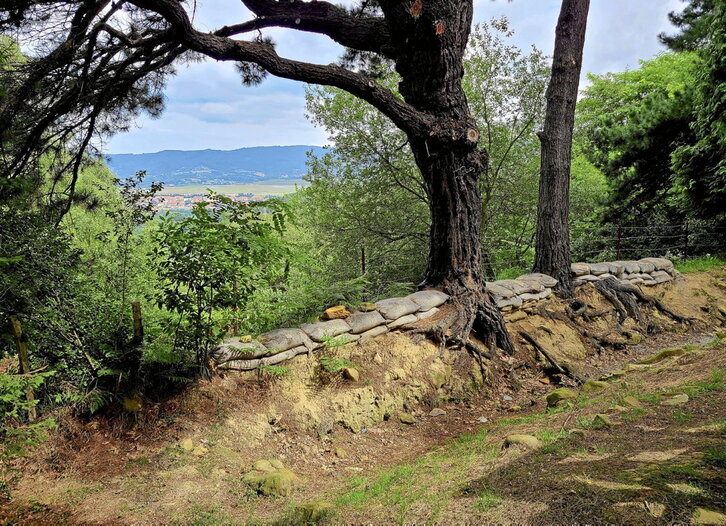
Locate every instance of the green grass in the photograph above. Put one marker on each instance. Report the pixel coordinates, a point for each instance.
(700, 264)
(487, 500)
(334, 365)
(682, 416)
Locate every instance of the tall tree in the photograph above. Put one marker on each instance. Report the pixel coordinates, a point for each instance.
(694, 24)
(552, 244)
(109, 49)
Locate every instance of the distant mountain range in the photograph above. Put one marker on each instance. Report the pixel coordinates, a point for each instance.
(214, 167)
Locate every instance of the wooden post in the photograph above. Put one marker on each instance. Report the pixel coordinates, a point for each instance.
(22, 346)
(138, 323)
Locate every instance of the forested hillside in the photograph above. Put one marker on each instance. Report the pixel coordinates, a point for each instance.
(332, 355)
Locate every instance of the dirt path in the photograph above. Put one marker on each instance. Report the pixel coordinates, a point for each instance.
(447, 468)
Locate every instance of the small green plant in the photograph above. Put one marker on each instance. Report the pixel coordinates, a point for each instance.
(700, 264)
(275, 371)
(331, 342)
(333, 365)
(682, 416)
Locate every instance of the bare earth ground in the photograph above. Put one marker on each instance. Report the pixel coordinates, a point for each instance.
(656, 463)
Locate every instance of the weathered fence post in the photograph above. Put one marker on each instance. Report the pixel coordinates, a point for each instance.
(363, 260)
(24, 359)
(138, 323)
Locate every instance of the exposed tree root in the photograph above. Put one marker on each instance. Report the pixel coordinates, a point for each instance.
(469, 310)
(625, 298)
(562, 369)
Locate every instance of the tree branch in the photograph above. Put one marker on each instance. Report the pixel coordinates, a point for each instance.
(403, 115)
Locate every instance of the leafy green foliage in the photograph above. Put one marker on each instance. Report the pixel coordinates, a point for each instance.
(334, 364)
(215, 259)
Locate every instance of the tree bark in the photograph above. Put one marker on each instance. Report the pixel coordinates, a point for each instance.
(552, 245)
(432, 37)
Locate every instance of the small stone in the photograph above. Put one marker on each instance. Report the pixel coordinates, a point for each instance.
(339, 312)
(340, 452)
(437, 412)
(367, 306)
(482, 420)
(559, 395)
(507, 398)
(544, 380)
(311, 512)
(602, 420)
(594, 385)
(524, 440)
(407, 418)
(704, 516)
(655, 509)
(187, 444)
(678, 399)
(631, 402)
(349, 373)
(377, 358)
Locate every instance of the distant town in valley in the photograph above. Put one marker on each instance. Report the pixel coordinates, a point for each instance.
(173, 202)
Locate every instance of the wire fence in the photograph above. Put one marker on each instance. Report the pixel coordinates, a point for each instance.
(594, 243)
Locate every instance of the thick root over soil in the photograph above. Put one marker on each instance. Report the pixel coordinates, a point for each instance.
(470, 310)
(625, 298)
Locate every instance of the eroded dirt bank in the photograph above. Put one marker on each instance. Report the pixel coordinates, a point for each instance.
(183, 462)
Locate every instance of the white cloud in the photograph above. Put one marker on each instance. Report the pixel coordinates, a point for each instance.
(208, 107)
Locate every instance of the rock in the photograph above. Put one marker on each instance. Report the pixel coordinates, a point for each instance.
(284, 339)
(427, 314)
(372, 333)
(377, 358)
(544, 380)
(507, 398)
(325, 329)
(394, 308)
(658, 263)
(522, 440)
(580, 269)
(594, 385)
(515, 316)
(311, 512)
(629, 267)
(646, 267)
(589, 277)
(132, 404)
(339, 312)
(655, 509)
(523, 287)
(360, 322)
(615, 268)
(631, 402)
(428, 299)
(678, 399)
(235, 349)
(340, 452)
(704, 516)
(597, 269)
(578, 282)
(514, 301)
(187, 444)
(558, 395)
(271, 478)
(660, 276)
(499, 290)
(407, 418)
(602, 420)
(437, 412)
(403, 320)
(349, 373)
(544, 279)
(482, 420)
(367, 306)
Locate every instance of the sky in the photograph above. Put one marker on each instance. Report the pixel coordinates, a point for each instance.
(208, 107)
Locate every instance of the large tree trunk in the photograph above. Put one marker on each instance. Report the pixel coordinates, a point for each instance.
(433, 41)
(552, 247)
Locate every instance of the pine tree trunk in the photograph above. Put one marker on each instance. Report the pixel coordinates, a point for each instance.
(433, 37)
(552, 246)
